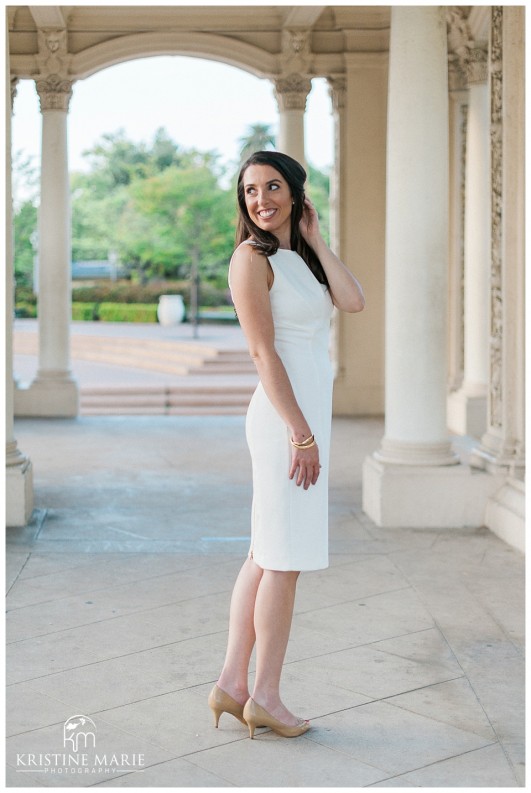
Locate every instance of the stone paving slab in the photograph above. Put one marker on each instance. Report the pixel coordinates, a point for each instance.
(406, 653)
(393, 739)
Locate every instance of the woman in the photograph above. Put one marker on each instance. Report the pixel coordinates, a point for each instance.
(284, 282)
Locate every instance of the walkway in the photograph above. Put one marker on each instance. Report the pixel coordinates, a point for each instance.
(406, 654)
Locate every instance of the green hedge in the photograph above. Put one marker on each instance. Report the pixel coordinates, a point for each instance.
(24, 295)
(123, 312)
(126, 292)
(127, 312)
(26, 310)
(86, 312)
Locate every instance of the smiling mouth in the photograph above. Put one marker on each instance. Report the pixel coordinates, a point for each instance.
(266, 213)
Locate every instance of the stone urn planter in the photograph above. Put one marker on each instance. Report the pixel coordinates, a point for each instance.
(170, 310)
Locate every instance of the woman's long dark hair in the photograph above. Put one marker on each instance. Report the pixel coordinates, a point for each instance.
(265, 241)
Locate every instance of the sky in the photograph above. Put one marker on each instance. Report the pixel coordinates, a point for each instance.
(202, 104)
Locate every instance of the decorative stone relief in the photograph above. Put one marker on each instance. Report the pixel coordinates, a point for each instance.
(53, 86)
(456, 76)
(496, 311)
(296, 56)
(459, 38)
(291, 91)
(477, 65)
(53, 57)
(462, 195)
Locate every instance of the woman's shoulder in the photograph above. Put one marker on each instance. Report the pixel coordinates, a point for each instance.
(246, 250)
(248, 244)
(246, 261)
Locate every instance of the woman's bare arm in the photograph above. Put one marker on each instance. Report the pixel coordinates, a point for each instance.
(345, 289)
(249, 273)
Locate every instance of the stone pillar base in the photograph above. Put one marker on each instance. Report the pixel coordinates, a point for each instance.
(50, 397)
(416, 454)
(413, 496)
(505, 514)
(496, 457)
(19, 494)
(467, 413)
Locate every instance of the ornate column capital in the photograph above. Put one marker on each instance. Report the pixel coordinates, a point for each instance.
(14, 83)
(467, 59)
(293, 84)
(291, 91)
(477, 65)
(53, 84)
(337, 89)
(54, 93)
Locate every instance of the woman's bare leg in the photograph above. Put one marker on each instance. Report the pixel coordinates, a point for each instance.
(233, 679)
(273, 611)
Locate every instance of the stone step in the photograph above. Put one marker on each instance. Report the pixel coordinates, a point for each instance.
(169, 357)
(216, 381)
(171, 400)
(111, 399)
(197, 410)
(184, 389)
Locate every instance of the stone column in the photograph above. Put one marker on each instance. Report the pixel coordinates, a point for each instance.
(360, 101)
(417, 241)
(292, 86)
(413, 479)
(291, 92)
(337, 91)
(501, 451)
(54, 392)
(458, 109)
(467, 412)
(19, 474)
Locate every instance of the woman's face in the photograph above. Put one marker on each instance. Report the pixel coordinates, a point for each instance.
(268, 199)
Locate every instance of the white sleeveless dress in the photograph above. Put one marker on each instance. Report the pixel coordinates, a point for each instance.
(289, 525)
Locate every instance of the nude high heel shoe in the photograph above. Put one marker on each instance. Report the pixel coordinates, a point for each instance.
(221, 702)
(255, 715)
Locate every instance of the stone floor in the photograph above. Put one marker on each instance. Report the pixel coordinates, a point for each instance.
(407, 653)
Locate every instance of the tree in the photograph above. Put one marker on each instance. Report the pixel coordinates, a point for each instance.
(259, 137)
(176, 220)
(319, 193)
(25, 179)
(25, 212)
(165, 210)
(95, 217)
(116, 161)
(24, 239)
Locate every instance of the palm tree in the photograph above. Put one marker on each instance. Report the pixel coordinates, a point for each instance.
(258, 138)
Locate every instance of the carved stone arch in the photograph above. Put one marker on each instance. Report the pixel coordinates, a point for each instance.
(200, 45)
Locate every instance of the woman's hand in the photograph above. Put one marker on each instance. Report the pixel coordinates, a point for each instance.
(309, 223)
(345, 289)
(305, 466)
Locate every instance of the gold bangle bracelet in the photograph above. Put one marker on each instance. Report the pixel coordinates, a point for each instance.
(303, 445)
